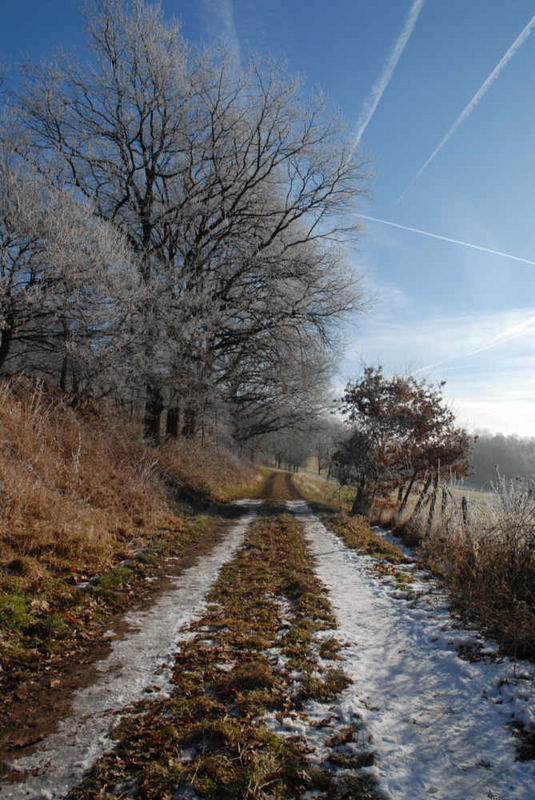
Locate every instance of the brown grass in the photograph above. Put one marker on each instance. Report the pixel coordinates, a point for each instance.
(319, 490)
(74, 485)
(489, 563)
(208, 469)
(81, 487)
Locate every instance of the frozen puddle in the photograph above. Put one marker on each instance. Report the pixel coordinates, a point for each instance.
(139, 660)
(438, 723)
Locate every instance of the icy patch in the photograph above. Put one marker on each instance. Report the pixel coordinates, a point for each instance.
(391, 538)
(142, 658)
(438, 723)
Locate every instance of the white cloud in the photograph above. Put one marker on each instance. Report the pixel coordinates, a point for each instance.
(443, 339)
(503, 412)
(487, 358)
(220, 24)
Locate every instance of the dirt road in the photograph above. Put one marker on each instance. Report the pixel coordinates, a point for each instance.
(287, 664)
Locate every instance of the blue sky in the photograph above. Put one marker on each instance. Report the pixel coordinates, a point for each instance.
(441, 309)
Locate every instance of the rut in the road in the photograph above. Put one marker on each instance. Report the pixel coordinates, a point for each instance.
(257, 662)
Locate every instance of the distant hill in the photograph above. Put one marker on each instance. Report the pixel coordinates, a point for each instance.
(511, 456)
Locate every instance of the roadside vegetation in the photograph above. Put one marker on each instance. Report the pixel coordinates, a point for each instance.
(89, 510)
(485, 552)
(333, 504)
(397, 465)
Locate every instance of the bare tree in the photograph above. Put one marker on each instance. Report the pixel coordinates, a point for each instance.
(66, 279)
(225, 182)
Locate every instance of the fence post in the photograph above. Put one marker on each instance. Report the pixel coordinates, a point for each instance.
(443, 503)
(407, 492)
(422, 497)
(433, 501)
(464, 508)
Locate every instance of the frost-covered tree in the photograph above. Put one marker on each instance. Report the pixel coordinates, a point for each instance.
(226, 183)
(67, 285)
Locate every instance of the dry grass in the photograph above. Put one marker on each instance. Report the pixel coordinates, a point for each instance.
(74, 485)
(489, 562)
(80, 488)
(209, 470)
(81, 492)
(327, 493)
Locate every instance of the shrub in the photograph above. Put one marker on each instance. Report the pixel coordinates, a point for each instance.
(489, 560)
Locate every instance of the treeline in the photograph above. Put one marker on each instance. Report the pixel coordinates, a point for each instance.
(495, 456)
(311, 446)
(171, 229)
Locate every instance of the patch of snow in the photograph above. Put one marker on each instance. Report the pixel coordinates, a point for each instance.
(135, 662)
(188, 753)
(391, 538)
(438, 723)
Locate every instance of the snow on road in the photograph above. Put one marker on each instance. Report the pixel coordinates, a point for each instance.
(439, 724)
(141, 659)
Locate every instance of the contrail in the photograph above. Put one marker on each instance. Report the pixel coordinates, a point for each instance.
(511, 333)
(474, 101)
(447, 239)
(380, 85)
(219, 19)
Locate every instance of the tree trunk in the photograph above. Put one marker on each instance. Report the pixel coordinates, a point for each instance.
(153, 413)
(65, 359)
(75, 387)
(407, 493)
(171, 423)
(433, 501)
(6, 335)
(189, 422)
(422, 497)
(361, 503)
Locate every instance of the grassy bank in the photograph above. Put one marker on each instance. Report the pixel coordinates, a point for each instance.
(88, 511)
(488, 560)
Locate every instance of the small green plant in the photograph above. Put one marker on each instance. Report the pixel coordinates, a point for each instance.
(14, 613)
(50, 626)
(146, 557)
(119, 576)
